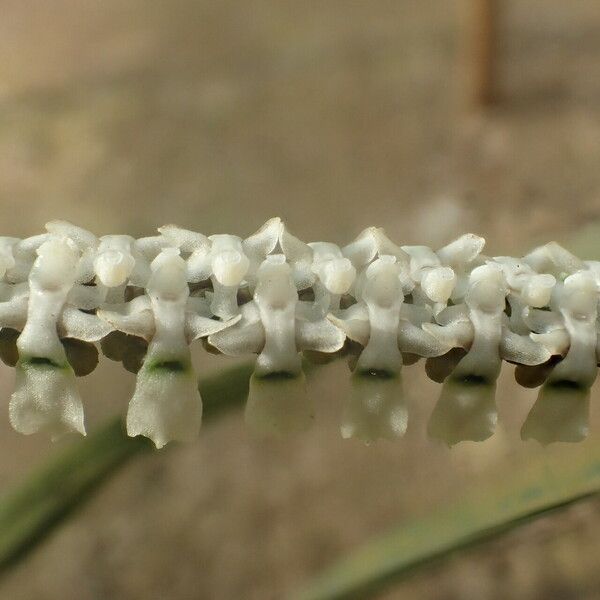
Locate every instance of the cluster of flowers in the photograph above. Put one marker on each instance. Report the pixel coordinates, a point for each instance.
(145, 300)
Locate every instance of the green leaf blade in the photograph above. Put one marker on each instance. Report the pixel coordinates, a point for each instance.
(497, 504)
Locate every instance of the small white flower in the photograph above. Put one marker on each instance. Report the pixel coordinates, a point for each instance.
(527, 289)
(45, 396)
(227, 260)
(462, 256)
(570, 329)
(276, 326)
(481, 327)
(383, 324)
(115, 260)
(166, 405)
(329, 269)
(434, 282)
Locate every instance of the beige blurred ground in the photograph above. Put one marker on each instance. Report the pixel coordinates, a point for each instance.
(335, 115)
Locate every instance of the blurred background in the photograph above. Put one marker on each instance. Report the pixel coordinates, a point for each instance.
(123, 116)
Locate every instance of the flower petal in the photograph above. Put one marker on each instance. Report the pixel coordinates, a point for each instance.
(83, 326)
(166, 405)
(45, 399)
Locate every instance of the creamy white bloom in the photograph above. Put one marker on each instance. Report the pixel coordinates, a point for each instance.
(481, 327)
(329, 269)
(45, 396)
(276, 326)
(227, 260)
(383, 324)
(571, 329)
(434, 283)
(462, 256)
(114, 260)
(166, 404)
(526, 289)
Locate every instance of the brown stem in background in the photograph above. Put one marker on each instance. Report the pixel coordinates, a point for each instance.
(481, 47)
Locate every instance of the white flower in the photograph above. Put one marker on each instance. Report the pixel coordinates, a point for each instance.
(481, 327)
(383, 324)
(434, 282)
(329, 269)
(570, 330)
(462, 256)
(166, 405)
(46, 397)
(227, 260)
(526, 289)
(276, 326)
(115, 261)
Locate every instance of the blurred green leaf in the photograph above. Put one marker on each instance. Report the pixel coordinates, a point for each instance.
(498, 503)
(51, 493)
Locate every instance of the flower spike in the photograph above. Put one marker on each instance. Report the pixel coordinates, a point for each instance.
(147, 300)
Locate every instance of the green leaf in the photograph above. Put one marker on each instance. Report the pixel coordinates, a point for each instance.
(55, 490)
(498, 503)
